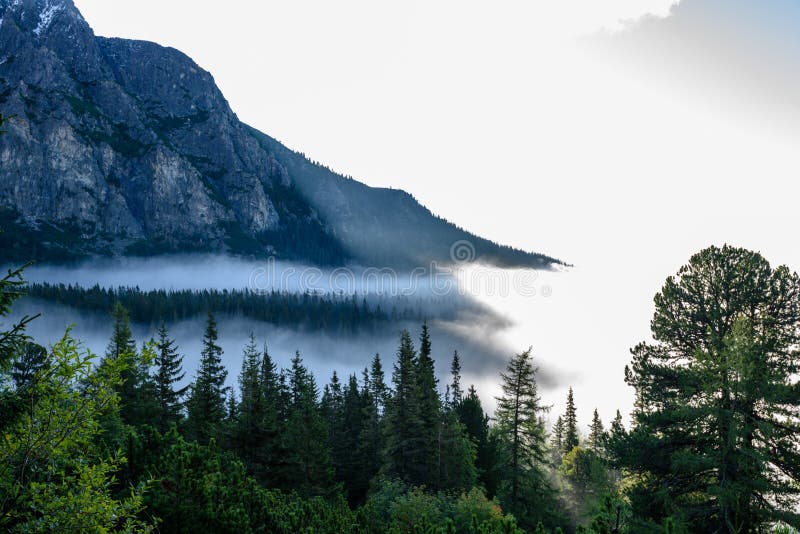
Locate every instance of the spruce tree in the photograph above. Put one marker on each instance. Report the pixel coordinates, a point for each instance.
(571, 439)
(426, 449)
(456, 453)
(715, 443)
(402, 419)
(168, 373)
(456, 393)
(476, 425)
(557, 439)
(371, 442)
(352, 469)
(206, 403)
(137, 392)
(269, 459)
(249, 432)
(596, 433)
(230, 425)
(331, 408)
(519, 410)
(309, 461)
(377, 384)
(617, 429)
(122, 344)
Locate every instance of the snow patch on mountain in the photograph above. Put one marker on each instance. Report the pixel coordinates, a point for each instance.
(46, 16)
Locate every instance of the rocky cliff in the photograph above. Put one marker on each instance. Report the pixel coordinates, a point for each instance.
(118, 147)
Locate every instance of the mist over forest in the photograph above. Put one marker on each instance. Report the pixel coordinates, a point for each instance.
(457, 321)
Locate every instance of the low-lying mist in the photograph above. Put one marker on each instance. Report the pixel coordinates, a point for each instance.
(456, 320)
(482, 357)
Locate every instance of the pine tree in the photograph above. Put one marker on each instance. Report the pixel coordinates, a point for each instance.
(206, 403)
(476, 425)
(230, 425)
(402, 419)
(122, 344)
(614, 438)
(596, 434)
(249, 434)
(377, 383)
(617, 429)
(518, 416)
(456, 453)
(137, 393)
(557, 440)
(715, 442)
(371, 441)
(309, 461)
(331, 408)
(456, 393)
(169, 371)
(571, 439)
(353, 470)
(426, 449)
(269, 462)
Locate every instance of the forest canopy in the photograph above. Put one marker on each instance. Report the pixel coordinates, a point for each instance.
(116, 443)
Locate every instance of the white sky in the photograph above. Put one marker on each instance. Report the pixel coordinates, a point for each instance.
(504, 118)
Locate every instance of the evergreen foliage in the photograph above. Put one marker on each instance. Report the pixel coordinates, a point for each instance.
(597, 434)
(168, 374)
(526, 490)
(571, 438)
(92, 446)
(206, 403)
(557, 439)
(309, 457)
(716, 437)
(402, 419)
(313, 311)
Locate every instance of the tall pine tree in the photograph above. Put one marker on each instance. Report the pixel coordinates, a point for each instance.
(425, 445)
(617, 429)
(456, 394)
(715, 443)
(352, 469)
(596, 434)
(476, 425)
(206, 403)
(527, 493)
(371, 443)
(557, 440)
(249, 432)
(571, 438)
(137, 390)
(168, 373)
(309, 461)
(402, 459)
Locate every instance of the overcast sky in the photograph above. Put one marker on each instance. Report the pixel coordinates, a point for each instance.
(621, 136)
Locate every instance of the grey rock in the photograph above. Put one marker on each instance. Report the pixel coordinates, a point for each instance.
(127, 147)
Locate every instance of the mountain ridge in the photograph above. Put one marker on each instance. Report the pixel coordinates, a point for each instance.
(123, 147)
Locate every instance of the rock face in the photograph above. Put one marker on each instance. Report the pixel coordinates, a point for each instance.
(127, 147)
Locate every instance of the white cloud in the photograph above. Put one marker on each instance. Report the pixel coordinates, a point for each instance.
(729, 55)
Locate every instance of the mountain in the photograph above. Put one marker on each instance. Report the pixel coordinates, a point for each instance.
(123, 147)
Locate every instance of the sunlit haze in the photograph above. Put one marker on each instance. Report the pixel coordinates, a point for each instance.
(567, 128)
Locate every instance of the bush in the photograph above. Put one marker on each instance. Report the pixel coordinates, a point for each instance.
(398, 508)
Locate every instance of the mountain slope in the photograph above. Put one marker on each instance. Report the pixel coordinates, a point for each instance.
(127, 147)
